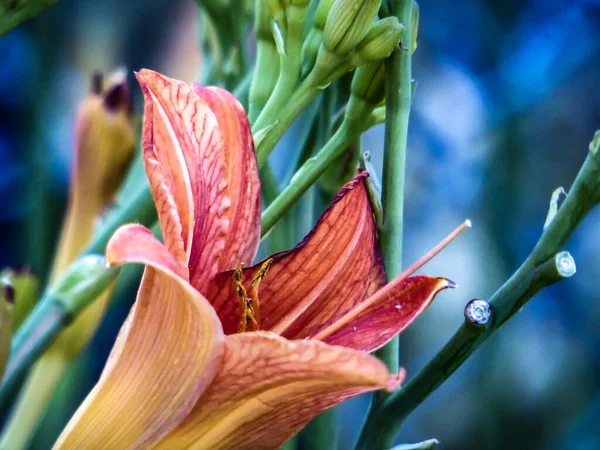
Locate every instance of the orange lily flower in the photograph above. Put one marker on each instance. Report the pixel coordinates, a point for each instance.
(216, 356)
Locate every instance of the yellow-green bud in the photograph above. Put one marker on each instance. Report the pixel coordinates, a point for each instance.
(7, 297)
(414, 26)
(383, 37)
(368, 82)
(262, 17)
(277, 8)
(26, 288)
(347, 24)
(320, 17)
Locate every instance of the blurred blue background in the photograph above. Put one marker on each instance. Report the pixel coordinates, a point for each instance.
(506, 103)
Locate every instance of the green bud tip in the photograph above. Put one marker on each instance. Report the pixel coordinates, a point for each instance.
(347, 24)
(368, 82)
(381, 39)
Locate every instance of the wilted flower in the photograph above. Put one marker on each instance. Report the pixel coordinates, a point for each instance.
(214, 355)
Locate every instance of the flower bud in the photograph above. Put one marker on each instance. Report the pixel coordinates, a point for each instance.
(26, 289)
(313, 40)
(321, 13)
(414, 26)
(7, 297)
(104, 139)
(383, 36)
(347, 24)
(368, 82)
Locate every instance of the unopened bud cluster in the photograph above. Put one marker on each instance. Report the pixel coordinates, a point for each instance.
(351, 37)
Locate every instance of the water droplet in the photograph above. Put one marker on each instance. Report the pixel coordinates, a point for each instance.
(398, 307)
(478, 312)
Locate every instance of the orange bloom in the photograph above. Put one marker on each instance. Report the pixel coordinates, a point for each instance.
(216, 356)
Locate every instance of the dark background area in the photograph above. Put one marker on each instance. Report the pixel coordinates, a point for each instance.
(507, 101)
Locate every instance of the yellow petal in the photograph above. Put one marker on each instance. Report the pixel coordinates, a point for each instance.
(166, 355)
(268, 388)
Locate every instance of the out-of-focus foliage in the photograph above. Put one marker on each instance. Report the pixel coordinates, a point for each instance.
(505, 104)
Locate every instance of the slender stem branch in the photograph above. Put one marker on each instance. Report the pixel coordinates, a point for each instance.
(398, 102)
(540, 269)
(275, 124)
(309, 172)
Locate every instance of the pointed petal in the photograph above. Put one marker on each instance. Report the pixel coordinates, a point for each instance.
(166, 355)
(184, 158)
(268, 388)
(241, 174)
(382, 316)
(334, 268)
(134, 243)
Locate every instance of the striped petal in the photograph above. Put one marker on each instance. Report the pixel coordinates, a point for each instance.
(241, 175)
(166, 355)
(268, 388)
(203, 174)
(334, 268)
(382, 316)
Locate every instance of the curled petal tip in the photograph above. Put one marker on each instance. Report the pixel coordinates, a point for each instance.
(449, 284)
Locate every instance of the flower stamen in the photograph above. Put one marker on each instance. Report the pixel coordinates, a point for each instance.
(249, 302)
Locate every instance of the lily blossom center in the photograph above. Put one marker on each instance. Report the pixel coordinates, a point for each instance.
(248, 298)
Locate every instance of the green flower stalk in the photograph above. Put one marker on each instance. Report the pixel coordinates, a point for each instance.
(367, 91)
(313, 40)
(267, 62)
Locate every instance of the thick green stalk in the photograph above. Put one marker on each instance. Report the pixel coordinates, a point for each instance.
(320, 433)
(264, 79)
(289, 63)
(270, 128)
(398, 101)
(543, 266)
(266, 69)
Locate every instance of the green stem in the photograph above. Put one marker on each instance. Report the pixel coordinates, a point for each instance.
(41, 328)
(308, 173)
(289, 62)
(398, 101)
(33, 401)
(540, 269)
(320, 433)
(276, 124)
(265, 77)
(50, 316)
(140, 209)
